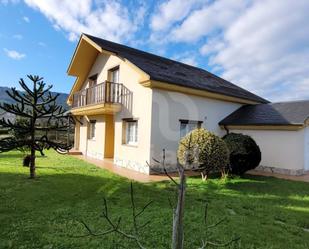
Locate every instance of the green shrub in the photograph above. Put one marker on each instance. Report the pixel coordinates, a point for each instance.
(203, 150)
(245, 154)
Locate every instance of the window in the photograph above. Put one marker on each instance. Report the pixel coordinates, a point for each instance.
(91, 133)
(113, 74)
(93, 80)
(188, 125)
(131, 129)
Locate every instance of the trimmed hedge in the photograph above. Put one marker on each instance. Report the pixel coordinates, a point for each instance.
(208, 151)
(245, 154)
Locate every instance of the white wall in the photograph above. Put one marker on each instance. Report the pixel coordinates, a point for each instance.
(168, 107)
(283, 150)
(306, 149)
(140, 108)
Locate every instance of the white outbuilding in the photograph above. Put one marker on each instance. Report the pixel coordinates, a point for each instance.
(281, 131)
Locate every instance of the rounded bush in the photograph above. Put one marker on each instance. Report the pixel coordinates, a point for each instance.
(245, 154)
(203, 150)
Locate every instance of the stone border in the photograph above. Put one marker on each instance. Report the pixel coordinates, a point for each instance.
(132, 165)
(291, 172)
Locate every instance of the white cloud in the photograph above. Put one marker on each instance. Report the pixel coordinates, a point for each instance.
(107, 19)
(18, 37)
(266, 50)
(213, 45)
(26, 19)
(13, 54)
(261, 45)
(187, 57)
(217, 15)
(171, 11)
(189, 60)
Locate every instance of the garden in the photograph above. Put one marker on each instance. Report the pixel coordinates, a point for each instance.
(264, 212)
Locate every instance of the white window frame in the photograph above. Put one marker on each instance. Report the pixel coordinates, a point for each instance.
(114, 74)
(186, 126)
(92, 80)
(131, 132)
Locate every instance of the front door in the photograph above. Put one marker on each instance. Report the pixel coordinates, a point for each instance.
(109, 136)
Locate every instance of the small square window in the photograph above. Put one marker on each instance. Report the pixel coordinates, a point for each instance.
(92, 128)
(187, 126)
(131, 132)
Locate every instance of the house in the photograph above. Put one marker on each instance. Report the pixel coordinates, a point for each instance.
(131, 105)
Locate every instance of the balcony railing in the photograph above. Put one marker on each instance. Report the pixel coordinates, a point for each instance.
(106, 92)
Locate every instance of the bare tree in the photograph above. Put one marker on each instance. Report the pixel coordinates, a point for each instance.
(178, 214)
(115, 225)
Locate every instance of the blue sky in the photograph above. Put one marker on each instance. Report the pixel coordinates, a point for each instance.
(261, 45)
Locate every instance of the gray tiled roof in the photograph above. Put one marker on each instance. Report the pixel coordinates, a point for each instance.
(174, 72)
(283, 113)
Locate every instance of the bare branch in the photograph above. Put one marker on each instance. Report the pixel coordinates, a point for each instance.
(91, 233)
(115, 227)
(224, 244)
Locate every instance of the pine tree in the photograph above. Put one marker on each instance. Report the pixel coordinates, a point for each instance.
(41, 116)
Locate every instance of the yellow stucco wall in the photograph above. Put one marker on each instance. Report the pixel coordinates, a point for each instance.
(92, 147)
(140, 108)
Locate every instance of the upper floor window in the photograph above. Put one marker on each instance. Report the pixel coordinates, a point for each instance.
(113, 75)
(92, 128)
(187, 126)
(93, 80)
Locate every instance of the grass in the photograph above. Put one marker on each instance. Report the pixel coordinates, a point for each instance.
(44, 213)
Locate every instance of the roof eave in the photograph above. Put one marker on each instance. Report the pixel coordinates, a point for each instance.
(195, 91)
(291, 127)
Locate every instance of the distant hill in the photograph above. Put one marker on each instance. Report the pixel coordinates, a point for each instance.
(61, 100)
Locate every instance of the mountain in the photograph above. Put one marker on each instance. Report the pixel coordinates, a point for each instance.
(61, 100)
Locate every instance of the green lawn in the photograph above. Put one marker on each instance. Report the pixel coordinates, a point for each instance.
(44, 213)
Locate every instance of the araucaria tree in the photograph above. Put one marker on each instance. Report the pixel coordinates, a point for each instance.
(37, 108)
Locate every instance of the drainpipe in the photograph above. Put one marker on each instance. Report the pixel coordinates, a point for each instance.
(226, 129)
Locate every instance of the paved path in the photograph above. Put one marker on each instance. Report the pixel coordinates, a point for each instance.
(130, 174)
(302, 178)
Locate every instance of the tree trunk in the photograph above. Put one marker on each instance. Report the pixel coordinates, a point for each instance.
(204, 175)
(178, 232)
(32, 164)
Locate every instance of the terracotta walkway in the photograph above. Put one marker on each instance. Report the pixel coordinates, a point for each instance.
(130, 174)
(302, 178)
(140, 177)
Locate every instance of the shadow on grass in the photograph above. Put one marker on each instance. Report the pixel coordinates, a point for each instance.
(16, 155)
(51, 206)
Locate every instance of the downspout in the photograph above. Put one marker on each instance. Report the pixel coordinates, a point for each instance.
(226, 129)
